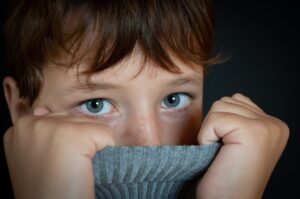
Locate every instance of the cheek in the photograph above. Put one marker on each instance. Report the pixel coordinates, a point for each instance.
(169, 129)
(182, 131)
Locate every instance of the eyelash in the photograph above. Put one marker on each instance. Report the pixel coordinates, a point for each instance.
(191, 96)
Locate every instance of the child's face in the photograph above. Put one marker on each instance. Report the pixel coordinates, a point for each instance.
(155, 107)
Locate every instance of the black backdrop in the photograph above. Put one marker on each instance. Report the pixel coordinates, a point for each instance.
(262, 39)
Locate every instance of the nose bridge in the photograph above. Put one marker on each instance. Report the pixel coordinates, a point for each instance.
(144, 129)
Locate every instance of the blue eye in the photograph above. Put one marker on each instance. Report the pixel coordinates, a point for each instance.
(96, 107)
(176, 101)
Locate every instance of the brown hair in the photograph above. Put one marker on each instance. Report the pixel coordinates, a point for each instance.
(38, 31)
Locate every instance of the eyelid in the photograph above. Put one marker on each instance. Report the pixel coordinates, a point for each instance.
(189, 94)
(96, 98)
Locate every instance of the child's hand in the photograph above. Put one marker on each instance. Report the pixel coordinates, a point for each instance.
(253, 142)
(49, 155)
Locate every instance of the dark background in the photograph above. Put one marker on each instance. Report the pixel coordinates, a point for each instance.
(262, 40)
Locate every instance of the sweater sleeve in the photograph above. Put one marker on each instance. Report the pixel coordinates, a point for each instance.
(151, 172)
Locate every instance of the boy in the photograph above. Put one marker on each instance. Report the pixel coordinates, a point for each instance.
(124, 73)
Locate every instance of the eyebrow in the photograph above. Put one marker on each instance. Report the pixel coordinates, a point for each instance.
(185, 80)
(193, 79)
(94, 86)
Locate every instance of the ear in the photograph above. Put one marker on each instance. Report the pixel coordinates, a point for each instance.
(17, 106)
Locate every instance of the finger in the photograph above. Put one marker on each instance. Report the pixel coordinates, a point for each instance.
(95, 126)
(88, 138)
(241, 104)
(42, 111)
(59, 113)
(228, 107)
(246, 100)
(223, 126)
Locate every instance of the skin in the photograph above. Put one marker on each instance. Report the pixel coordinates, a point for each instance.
(57, 131)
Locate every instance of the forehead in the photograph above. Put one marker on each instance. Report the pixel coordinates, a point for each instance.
(133, 67)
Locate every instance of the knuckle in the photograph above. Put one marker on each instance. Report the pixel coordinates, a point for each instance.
(272, 129)
(284, 126)
(241, 97)
(286, 130)
(281, 127)
(238, 95)
(275, 125)
(6, 136)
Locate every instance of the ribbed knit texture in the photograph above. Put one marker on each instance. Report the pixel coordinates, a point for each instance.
(150, 172)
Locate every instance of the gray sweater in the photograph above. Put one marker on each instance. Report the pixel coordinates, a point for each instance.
(150, 172)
